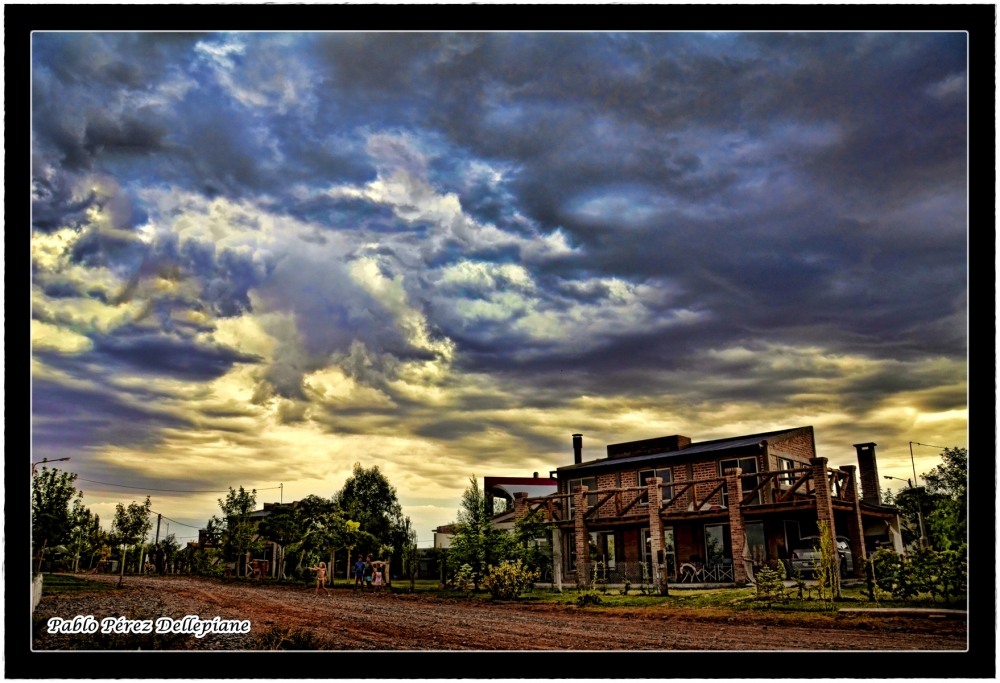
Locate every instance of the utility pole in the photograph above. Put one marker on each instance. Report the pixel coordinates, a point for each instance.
(281, 494)
(158, 518)
(920, 502)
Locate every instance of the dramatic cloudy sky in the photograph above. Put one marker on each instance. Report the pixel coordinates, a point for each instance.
(260, 258)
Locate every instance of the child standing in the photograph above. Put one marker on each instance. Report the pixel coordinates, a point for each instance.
(320, 577)
(378, 580)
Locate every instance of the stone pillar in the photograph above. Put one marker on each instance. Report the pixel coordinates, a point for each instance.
(734, 491)
(520, 504)
(824, 506)
(855, 527)
(557, 559)
(581, 536)
(656, 535)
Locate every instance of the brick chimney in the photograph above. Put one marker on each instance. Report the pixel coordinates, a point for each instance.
(577, 449)
(868, 470)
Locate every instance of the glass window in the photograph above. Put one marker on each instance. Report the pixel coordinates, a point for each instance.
(666, 476)
(718, 545)
(756, 543)
(589, 483)
(786, 464)
(749, 466)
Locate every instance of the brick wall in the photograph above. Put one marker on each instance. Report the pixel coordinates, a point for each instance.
(607, 481)
(801, 446)
(707, 470)
(679, 473)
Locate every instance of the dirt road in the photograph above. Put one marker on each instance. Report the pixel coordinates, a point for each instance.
(358, 621)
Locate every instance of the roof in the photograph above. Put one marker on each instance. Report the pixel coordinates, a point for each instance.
(532, 491)
(694, 448)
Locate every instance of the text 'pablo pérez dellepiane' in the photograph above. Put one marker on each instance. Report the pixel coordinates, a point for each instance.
(189, 624)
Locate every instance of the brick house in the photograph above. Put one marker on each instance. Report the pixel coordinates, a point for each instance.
(669, 509)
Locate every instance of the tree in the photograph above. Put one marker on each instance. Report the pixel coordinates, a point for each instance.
(130, 527)
(284, 527)
(477, 542)
(238, 530)
(947, 484)
(51, 521)
(528, 531)
(368, 498)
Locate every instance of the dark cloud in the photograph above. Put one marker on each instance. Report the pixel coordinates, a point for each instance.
(798, 189)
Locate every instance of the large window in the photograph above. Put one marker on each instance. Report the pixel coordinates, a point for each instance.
(666, 477)
(749, 466)
(756, 543)
(718, 544)
(669, 551)
(590, 483)
(786, 464)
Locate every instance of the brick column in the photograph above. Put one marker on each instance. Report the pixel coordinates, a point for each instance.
(734, 491)
(656, 535)
(582, 539)
(520, 504)
(824, 505)
(557, 559)
(855, 528)
(869, 473)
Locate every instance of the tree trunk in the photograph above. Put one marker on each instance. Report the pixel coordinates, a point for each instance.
(41, 556)
(329, 574)
(121, 576)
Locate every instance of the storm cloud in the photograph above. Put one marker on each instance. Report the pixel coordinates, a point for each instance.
(444, 253)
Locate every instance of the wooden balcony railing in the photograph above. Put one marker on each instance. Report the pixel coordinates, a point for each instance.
(781, 486)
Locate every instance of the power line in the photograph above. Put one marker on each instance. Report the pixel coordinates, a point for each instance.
(145, 488)
(175, 521)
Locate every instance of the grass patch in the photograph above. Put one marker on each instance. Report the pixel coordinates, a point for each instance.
(64, 583)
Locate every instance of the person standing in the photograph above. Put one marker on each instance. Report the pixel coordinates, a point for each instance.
(359, 570)
(378, 580)
(320, 577)
(369, 571)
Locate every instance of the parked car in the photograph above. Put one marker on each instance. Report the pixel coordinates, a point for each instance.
(806, 556)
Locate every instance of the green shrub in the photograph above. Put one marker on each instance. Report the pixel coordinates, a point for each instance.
(588, 598)
(770, 585)
(626, 587)
(464, 579)
(940, 573)
(509, 580)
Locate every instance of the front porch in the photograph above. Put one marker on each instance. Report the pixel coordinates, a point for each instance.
(711, 531)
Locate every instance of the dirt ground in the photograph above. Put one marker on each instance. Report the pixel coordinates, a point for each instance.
(359, 621)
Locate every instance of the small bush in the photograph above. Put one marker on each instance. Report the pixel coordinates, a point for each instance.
(626, 587)
(464, 579)
(770, 586)
(588, 598)
(509, 580)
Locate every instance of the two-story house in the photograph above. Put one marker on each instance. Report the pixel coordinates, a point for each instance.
(708, 511)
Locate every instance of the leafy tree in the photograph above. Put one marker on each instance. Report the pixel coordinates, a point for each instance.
(528, 532)
(948, 485)
(283, 526)
(369, 498)
(51, 520)
(238, 531)
(477, 542)
(130, 527)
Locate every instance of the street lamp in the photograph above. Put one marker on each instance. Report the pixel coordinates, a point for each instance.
(44, 461)
(923, 536)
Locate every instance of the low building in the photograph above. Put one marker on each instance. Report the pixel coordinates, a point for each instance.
(672, 509)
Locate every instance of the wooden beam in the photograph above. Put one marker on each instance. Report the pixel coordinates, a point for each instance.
(635, 501)
(711, 493)
(679, 490)
(764, 478)
(785, 495)
(597, 506)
